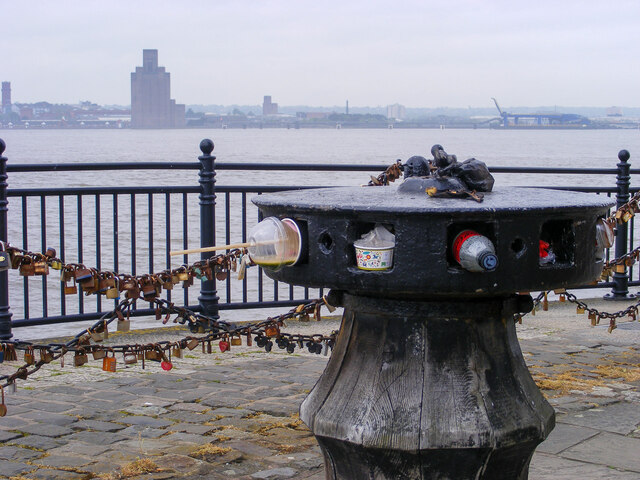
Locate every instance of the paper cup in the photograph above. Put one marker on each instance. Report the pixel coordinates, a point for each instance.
(377, 258)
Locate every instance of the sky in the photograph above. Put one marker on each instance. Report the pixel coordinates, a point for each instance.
(424, 53)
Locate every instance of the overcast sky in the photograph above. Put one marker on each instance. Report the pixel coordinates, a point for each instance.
(423, 53)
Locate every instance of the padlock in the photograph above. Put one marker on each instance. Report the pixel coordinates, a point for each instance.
(3, 407)
(10, 353)
(209, 347)
(149, 292)
(580, 309)
(46, 356)
(188, 282)
(236, 340)
(271, 331)
(84, 275)
(123, 325)
(80, 358)
(29, 356)
(176, 351)
(109, 362)
(56, 264)
(223, 345)
(98, 353)
(165, 364)
(316, 313)
(192, 344)
(41, 267)
(151, 355)
(70, 289)
(5, 260)
(562, 298)
(612, 325)
(592, 317)
(96, 336)
(132, 293)
(130, 357)
(249, 339)
(325, 346)
(22, 373)
(620, 268)
(545, 302)
(242, 270)
(15, 258)
(222, 275)
(183, 275)
(27, 269)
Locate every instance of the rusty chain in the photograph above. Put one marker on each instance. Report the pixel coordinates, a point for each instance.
(264, 333)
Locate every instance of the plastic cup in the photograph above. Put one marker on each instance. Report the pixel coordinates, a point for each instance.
(275, 243)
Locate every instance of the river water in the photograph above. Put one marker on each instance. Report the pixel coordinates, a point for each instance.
(541, 148)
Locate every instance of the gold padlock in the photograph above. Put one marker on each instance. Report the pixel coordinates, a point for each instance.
(236, 340)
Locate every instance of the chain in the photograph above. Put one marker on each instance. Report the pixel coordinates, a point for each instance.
(111, 284)
(391, 174)
(264, 333)
(595, 315)
(626, 212)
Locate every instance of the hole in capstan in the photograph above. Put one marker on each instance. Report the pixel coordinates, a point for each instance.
(518, 247)
(326, 242)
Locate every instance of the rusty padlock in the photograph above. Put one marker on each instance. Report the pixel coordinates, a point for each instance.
(29, 356)
(98, 353)
(130, 357)
(192, 344)
(46, 356)
(3, 407)
(272, 330)
(80, 358)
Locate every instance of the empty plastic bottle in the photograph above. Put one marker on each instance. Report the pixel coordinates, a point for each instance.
(474, 252)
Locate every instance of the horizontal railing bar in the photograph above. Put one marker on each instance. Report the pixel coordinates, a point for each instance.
(32, 192)
(37, 192)
(318, 167)
(80, 167)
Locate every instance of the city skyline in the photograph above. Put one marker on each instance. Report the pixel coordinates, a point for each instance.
(418, 54)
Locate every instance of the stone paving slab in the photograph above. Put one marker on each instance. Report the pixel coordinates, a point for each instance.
(234, 415)
(564, 436)
(608, 449)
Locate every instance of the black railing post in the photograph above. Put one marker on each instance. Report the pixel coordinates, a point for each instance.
(620, 288)
(5, 314)
(208, 298)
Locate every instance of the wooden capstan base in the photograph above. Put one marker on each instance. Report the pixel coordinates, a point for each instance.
(427, 390)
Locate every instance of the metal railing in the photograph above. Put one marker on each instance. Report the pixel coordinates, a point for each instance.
(114, 227)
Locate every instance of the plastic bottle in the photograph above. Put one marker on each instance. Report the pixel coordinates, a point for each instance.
(474, 252)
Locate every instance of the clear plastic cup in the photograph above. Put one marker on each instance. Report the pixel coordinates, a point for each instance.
(275, 243)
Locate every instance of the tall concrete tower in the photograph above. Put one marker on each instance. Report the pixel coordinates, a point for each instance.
(151, 103)
(6, 96)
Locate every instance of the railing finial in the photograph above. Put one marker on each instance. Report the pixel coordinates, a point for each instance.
(624, 155)
(206, 146)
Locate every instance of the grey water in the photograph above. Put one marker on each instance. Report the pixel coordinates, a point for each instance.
(539, 148)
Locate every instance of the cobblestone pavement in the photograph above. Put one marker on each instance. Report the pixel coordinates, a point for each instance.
(234, 415)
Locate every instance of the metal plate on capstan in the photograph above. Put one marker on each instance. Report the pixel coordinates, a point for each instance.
(515, 219)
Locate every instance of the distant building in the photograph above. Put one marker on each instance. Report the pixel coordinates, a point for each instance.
(151, 103)
(614, 112)
(6, 97)
(396, 111)
(268, 107)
